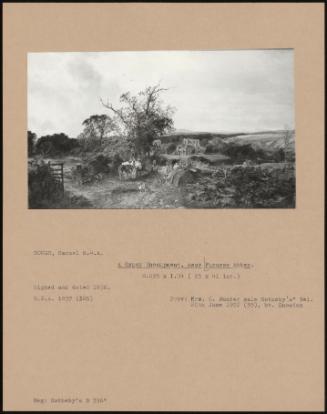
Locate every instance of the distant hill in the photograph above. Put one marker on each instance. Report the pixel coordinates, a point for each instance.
(177, 136)
(200, 134)
(265, 140)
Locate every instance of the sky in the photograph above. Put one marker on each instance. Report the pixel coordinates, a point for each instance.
(212, 91)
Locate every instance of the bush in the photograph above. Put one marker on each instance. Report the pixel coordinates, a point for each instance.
(256, 187)
(213, 149)
(204, 142)
(279, 155)
(43, 189)
(100, 164)
(171, 148)
(95, 168)
(250, 187)
(240, 153)
(45, 192)
(88, 144)
(56, 144)
(31, 140)
(209, 149)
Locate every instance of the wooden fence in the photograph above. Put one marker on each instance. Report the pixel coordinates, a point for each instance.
(57, 171)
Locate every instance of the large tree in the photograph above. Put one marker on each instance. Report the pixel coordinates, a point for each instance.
(142, 117)
(97, 127)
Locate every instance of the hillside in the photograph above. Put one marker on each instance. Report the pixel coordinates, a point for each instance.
(265, 140)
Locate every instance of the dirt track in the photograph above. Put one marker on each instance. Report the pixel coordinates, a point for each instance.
(113, 193)
(149, 193)
(110, 192)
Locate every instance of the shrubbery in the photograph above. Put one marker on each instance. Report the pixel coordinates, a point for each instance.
(31, 140)
(43, 189)
(171, 148)
(45, 192)
(255, 187)
(212, 149)
(240, 153)
(250, 187)
(95, 168)
(56, 144)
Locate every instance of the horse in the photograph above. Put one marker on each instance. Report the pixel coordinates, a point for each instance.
(129, 168)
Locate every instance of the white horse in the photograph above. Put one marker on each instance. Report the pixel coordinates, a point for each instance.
(129, 168)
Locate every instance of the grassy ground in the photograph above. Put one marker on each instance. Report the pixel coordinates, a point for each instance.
(242, 189)
(113, 193)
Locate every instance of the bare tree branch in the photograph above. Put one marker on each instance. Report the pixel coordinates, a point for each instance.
(151, 96)
(116, 111)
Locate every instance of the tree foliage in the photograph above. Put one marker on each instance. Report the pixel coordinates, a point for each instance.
(55, 144)
(31, 140)
(249, 187)
(240, 153)
(97, 127)
(43, 189)
(143, 117)
(171, 148)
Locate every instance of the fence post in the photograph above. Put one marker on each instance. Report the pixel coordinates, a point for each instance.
(62, 177)
(57, 171)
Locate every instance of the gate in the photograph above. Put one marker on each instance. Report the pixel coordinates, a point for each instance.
(57, 171)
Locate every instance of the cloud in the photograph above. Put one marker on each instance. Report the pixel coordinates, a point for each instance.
(212, 90)
(84, 75)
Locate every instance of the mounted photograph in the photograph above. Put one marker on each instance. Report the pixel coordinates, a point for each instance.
(161, 130)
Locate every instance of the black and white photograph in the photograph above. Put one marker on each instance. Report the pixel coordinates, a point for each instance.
(161, 130)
